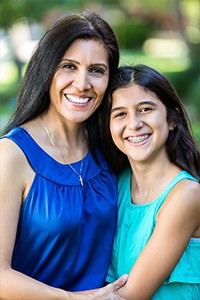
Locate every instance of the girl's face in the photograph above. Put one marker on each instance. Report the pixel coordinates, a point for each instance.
(80, 80)
(138, 123)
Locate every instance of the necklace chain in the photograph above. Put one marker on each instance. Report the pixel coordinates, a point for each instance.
(53, 144)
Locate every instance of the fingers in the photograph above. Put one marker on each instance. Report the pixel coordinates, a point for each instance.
(109, 292)
(120, 282)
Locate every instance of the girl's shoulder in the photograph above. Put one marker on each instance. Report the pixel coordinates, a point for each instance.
(183, 188)
(186, 190)
(182, 205)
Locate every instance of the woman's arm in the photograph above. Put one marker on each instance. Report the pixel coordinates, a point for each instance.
(177, 220)
(13, 171)
(15, 179)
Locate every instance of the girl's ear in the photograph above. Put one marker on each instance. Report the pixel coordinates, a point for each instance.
(172, 126)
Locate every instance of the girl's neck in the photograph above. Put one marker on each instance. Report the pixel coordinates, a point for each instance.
(148, 181)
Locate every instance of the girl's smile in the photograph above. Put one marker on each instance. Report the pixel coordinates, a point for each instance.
(138, 122)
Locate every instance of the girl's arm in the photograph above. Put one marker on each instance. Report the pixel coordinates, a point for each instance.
(177, 221)
(15, 178)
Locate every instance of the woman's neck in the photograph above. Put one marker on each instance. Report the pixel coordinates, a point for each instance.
(63, 134)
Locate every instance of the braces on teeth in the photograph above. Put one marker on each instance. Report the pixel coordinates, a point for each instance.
(138, 139)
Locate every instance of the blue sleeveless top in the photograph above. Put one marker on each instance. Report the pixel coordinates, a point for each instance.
(135, 226)
(65, 231)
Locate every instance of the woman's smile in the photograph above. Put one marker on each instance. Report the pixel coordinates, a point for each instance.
(80, 81)
(77, 99)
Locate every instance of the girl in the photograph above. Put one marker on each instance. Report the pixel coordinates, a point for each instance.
(158, 236)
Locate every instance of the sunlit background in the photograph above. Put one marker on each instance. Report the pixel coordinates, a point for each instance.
(164, 34)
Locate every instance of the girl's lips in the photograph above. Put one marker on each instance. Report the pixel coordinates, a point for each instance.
(76, 99)
(138, 139)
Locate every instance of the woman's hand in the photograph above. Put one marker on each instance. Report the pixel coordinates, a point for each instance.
(109, 292)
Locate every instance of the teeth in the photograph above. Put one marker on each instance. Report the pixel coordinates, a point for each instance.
(77, 99)
(138, 139)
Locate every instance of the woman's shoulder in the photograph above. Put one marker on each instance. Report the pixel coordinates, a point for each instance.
(13, 163)
(9, 149)
(17, 140)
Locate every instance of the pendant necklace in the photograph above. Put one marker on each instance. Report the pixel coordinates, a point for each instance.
(53, 144)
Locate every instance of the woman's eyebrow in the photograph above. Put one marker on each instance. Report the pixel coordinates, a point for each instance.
(93, 64)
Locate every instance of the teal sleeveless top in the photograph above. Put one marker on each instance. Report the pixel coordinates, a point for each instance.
(65, 231)
(135, 226)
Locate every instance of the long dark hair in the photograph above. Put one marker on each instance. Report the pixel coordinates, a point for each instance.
(33, 98)
(180, 145)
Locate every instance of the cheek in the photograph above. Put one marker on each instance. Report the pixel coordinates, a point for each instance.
(54, 85)
(60, 80)
(162, 129)
(163, 124)
(52, 91)
(100, 86)
(159, 120)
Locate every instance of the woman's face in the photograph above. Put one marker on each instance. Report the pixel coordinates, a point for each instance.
(80, 80)
(138, 123)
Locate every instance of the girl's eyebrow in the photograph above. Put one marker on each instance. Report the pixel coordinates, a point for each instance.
(146, 102)
(116, 108)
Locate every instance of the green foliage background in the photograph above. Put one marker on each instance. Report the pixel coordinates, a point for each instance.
(135, 22)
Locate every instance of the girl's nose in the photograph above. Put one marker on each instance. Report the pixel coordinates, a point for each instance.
(81, 81)
(134, 122)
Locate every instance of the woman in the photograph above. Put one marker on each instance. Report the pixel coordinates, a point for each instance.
(158, 236)
(58, 195)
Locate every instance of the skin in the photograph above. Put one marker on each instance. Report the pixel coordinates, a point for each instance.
(80, 75)
(139, 128)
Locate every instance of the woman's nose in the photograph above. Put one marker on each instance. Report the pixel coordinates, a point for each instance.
(81, 81)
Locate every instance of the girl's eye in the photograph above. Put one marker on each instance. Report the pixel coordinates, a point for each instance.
(145, 109)
(120, 114)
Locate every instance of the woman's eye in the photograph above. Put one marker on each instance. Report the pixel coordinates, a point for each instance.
(69, 66)
(97, 71)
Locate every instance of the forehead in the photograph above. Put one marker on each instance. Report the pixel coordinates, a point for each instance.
(87, 47)
(134, 93)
